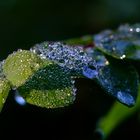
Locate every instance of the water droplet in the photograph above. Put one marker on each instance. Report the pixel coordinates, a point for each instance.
(102, 37)
(106, 62)
(123, 56)
(20, 50)
(125, 98)
(74, 91)
(137, 29)
(73, 58)
(3, 100)
(1, 69)
(131, 29)
(19, 99)
(89, 73)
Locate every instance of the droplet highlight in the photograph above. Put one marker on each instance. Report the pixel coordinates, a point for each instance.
(20, 100)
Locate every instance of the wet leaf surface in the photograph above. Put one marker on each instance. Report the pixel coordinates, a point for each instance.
(67, 56)
(121, 44)
(118, 79)
(46, 82)
(20, 65)
(4, 90)
(50, 87)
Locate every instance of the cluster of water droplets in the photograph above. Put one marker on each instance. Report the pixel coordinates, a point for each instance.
(117, 42)
(130, 30)
(1, 69)
(19, 99)
(73, 58)
(124, 32)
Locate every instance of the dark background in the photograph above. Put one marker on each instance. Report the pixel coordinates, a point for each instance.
(24, 23)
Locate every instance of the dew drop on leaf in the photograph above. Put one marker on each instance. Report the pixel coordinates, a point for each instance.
(71, 57)
(4, 90)
(1, 69)
(125, 98)
(20, 65)
(123, 56)
(50, 87)
(89, 73)
(121, 44)
(19, 99)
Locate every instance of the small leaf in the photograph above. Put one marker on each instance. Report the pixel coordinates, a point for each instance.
(4, 90)
(19, 66)
(122, 44)
(50, 87)
(118, 79)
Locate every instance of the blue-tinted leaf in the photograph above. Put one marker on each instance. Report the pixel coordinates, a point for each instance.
(121, 81)
(66, 56)
(121, 44)
(118, 79)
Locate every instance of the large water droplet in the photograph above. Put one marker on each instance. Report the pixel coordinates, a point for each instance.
(19, 99)
(89, 73)
(125, 98)
(123, 56)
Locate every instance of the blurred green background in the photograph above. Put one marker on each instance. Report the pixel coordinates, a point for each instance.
(24, 23)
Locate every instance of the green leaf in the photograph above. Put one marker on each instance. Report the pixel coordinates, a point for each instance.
(118, 79)
(84, 40)
(115, 116)
(122, 44)
(19, 66)
(50, 87)
(4, 90)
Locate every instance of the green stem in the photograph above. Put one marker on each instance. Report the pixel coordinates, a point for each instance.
(116, 115)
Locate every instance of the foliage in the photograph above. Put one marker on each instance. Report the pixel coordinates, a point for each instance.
(45, 75)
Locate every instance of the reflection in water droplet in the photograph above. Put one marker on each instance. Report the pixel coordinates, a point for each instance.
(89, 73)
(122, 41)
(19, 99)
(131, 29)
(125, 98)
(123, 56)
(137, 29)
(106, 62)
(3, 100)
